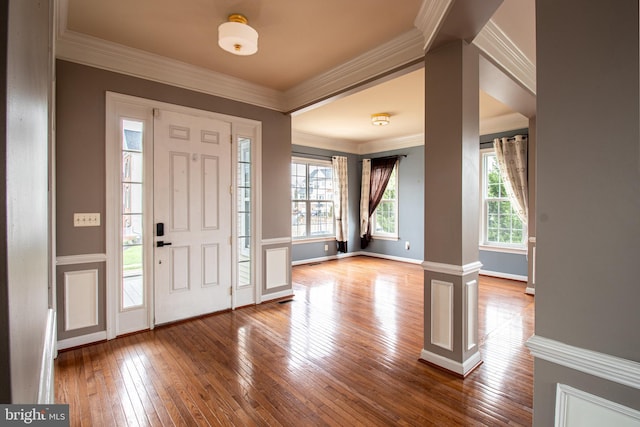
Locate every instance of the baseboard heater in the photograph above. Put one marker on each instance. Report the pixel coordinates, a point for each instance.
(46, 386)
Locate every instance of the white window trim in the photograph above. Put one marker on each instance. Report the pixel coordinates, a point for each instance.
(395, 235)
(321, 237)
(483, 244)
(302, 240)
(503, 249)
(389, 237)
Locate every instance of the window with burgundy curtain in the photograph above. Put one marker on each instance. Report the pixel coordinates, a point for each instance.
(381, 170)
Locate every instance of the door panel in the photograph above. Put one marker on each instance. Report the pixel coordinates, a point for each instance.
(211, 197)
(192, 178)
(179, 190)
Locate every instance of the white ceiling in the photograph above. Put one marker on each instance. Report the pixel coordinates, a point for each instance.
(299, 41)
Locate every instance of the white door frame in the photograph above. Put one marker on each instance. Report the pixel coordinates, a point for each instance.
(242, 296)
(239, 127)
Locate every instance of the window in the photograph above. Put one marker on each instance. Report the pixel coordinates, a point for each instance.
(132, 184)
(385, 217)
(243, 207)
(311, 199)
(501, 225)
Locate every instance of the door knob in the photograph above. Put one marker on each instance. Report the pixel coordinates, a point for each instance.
(161, 243)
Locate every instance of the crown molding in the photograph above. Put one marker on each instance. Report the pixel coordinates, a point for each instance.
(385, 58)
(503, 123)
(316, 141)
(98, 53)
(500, 49)
(430, 18)
(354, 147)
(381, 145)
(95, 52)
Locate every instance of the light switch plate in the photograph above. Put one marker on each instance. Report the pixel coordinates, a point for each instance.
(86, 219)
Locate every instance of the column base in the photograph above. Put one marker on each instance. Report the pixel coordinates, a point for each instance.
(458, 369)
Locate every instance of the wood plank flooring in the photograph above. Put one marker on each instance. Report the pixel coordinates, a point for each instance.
(344, 352)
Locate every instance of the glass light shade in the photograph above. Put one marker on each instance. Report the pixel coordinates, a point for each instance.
(238, 38)
(381, 119)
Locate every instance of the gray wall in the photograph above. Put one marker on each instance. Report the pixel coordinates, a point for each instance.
(24, 276)
(503, 262)
(588, 182)
(410, 208)
(80, 151)
(410, 211)
(313, 250)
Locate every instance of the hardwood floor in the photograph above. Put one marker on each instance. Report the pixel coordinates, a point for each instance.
(343, 352)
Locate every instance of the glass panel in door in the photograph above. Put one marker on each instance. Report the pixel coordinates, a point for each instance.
(132, 184)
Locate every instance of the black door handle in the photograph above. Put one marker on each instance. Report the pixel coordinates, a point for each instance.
(161, 243)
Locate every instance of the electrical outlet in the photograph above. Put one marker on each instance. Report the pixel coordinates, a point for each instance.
(407, 245)
(86, 219)
(326, 248)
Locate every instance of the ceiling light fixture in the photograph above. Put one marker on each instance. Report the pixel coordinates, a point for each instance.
(237, 37)
(380, 119)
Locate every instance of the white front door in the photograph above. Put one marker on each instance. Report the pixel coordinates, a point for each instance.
(192, 211)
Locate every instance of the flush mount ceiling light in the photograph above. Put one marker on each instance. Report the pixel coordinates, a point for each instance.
(237, 37)
(380, 119)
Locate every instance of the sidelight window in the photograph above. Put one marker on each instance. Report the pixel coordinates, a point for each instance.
(132, 186)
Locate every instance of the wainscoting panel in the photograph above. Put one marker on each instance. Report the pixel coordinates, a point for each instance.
(576, 408)
(442, 314)
(471, 314)
(81, 299)
(277, 267)
(80, 309)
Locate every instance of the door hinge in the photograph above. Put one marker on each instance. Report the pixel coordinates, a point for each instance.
(230, 241)
(230, 290)
(231, 189)
(156, 112)
(230, 139)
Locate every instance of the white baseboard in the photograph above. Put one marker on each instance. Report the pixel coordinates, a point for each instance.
(315, 260)
(82, 340)
(276, 295)
(359, 253)
(451, 365)
(391, 257)
(606, 366)
(501, 275)
(530, 291)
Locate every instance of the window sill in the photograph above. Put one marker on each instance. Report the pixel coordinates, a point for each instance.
(504, 249)
(312, 239)
(383, 237)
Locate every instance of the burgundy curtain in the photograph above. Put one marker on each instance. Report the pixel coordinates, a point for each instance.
(381, 170)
